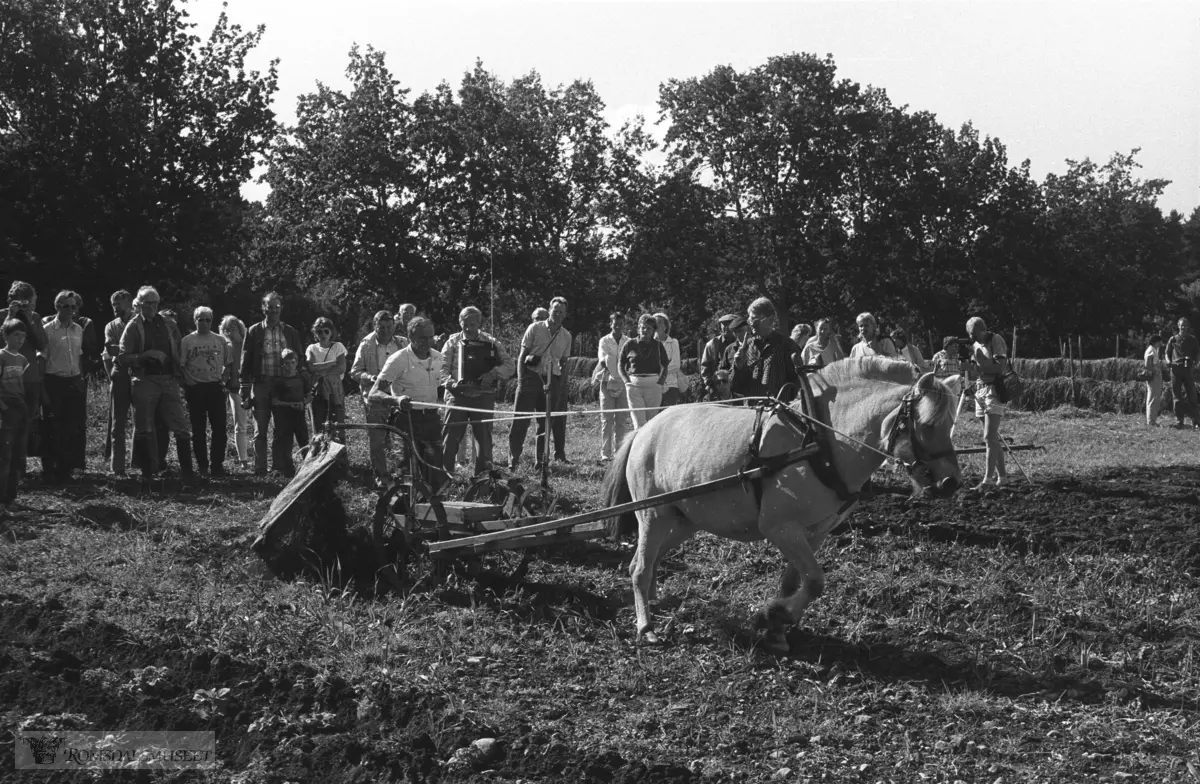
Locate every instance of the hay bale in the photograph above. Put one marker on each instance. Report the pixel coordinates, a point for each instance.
(1117, 370)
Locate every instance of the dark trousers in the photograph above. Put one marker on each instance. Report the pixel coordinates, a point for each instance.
(455, 428)
(66, 425)
(206, 405)
(13, 440)
(1183, 389)
(120, 402)
(531, 397)
(289, 424)
(425, 428)
(33, 414)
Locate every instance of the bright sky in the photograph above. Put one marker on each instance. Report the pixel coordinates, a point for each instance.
(1052, 80)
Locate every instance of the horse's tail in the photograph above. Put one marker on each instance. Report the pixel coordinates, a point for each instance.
(615, 490)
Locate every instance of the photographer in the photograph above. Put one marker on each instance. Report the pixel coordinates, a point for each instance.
(990, 355)
(22, 306)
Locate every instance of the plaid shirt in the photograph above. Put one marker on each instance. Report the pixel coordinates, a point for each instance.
(946, 365)
(273, 346)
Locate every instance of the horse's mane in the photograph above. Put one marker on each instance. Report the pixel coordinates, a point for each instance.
(893, 371)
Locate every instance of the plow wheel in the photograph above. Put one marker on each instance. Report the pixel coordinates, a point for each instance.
(408, 515)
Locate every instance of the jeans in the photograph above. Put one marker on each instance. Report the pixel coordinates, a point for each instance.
(613, 427)
(241, 427)
(261, 399)
(327, 416)
(206, 404)
(120, 400)
(159, 395)
(531, 397)
(455, 428)
(290, 423)
(1154, 396)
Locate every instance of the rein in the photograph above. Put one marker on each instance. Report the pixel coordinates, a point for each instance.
(905, 424)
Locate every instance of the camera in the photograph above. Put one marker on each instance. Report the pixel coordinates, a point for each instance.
(965, 349)
(22, 304)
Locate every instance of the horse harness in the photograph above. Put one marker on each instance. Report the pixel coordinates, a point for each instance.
(817, 449)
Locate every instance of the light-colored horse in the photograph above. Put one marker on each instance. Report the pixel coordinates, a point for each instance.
(873, 400)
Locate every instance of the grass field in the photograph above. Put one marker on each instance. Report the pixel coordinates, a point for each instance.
(1048, 632)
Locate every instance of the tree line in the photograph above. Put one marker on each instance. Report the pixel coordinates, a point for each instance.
(125, 137)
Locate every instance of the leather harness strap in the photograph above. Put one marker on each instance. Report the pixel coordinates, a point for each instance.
(815, 447)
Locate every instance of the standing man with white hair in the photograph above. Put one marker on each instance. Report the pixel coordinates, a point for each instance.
(373, 351)
(150, 349)
(207, 364)
(871, 343)
(66, 392)
(473, 364)
(542, 378)
(991, 358)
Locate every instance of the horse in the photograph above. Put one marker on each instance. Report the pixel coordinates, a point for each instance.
(873, 408)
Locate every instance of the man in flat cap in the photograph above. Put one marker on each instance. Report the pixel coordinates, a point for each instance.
(714, 352)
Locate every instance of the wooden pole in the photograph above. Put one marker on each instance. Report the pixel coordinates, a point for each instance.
(1013, 351)
(1117, 352)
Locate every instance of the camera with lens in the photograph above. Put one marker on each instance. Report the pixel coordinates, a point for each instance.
(966, 349)
(22, 304)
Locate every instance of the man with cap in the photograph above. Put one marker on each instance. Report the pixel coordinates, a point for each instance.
(714, 352)
(738, 329)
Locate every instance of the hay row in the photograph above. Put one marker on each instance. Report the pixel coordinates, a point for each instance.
(1105, 396)
(1116, 370)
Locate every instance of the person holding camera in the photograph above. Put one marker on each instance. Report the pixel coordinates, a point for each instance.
(990, 355)
(1182, 352)
(474, 363)
(542, 378)
(22, 306)
(261, 365)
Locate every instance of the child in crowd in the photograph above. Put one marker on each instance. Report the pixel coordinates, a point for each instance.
(13, 411)
(289, 399)
(946, 362)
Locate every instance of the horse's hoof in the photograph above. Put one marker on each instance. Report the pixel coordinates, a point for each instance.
(649, 637)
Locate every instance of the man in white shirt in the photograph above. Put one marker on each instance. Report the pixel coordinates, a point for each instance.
(409, 376)
(613, 427)
(66, 392)
(373, 352)
(541, 374)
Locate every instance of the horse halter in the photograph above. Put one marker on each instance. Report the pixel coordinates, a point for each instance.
(905, 424)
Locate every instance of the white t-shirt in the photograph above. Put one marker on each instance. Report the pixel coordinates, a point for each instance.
(317, 354)
(417, 378)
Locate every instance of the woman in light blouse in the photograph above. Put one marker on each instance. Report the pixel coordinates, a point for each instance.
(670, 395)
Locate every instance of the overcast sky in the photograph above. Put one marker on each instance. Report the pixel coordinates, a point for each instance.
(1052, 80)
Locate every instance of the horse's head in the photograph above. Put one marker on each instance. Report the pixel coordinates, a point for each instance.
(917, 434)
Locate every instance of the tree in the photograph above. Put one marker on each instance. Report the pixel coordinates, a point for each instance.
(124, 140)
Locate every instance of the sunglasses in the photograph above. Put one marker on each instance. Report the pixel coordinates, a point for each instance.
(202, 318)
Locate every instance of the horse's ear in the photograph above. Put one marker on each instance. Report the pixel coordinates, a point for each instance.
(927, 383)
(955, 384)
(821, 389)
